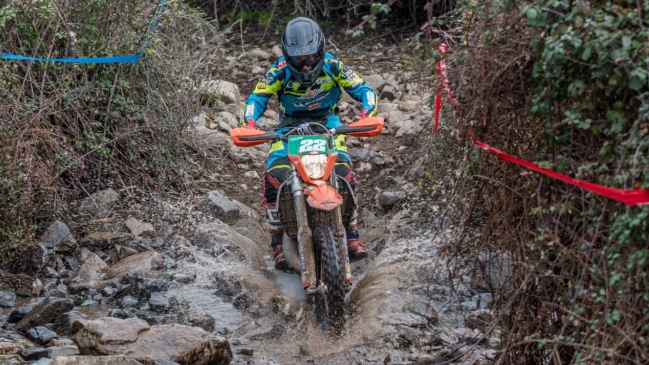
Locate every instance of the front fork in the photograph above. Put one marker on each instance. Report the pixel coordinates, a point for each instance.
(341, 235)
(304, 235)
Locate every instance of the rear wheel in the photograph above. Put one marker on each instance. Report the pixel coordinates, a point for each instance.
(330, 305)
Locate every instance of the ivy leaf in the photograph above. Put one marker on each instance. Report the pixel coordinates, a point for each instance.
(586, 55)
(635, 83)
(531, 13)
(626, 42)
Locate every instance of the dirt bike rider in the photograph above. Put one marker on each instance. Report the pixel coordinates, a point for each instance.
(307, 81)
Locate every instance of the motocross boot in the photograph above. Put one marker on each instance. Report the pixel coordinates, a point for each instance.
(277, 232)
(355, 247)
(278, 254)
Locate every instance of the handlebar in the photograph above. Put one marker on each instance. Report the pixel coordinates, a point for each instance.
(274, 136)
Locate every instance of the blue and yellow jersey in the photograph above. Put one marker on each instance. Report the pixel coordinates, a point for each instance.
(314, 101)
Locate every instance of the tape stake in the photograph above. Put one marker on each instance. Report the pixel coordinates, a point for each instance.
(628, 197)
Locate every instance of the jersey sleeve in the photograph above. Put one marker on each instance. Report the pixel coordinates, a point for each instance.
(355, 86)
(264, 90)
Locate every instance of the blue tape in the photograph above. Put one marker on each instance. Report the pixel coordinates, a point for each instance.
(112, 59)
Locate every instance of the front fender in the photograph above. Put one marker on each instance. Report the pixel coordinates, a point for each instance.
(322, 196)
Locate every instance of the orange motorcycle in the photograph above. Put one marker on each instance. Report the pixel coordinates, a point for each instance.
(315, 205)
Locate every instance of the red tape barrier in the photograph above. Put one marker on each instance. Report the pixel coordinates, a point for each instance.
(441, 70)
(628, 197)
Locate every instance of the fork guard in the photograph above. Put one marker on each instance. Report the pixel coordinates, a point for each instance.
(322, 196)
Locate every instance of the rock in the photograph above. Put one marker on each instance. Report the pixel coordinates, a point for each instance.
(55, 352)
(219, 90)
(252, 175)
(199, 120)
(12, 343)
(224, 126)
(361, 154)
(40, 335)
(20, 313)
(45, 312)
(388, 92)
(256, 70)
(90, 275)
(128, 302)
(408, 106)
(277, 51)
(246, 352)
(139, 228)
(159, 303)
(404, 319)
(364, 167)
(99, 204)
(63, 324)
(195, 319)
(11, 360)
(493, 343)
(43, 361)
(182, 344)
(228, 118)
(33, 353)
(184, 278)
(375, 81)
(430, 360)
(141, 262)
(3, 321)
(221, 207)
(233, 109)
(388, 198)
(30, 262)
(463, 333)
(105, 239)
(240, 154)
(409, 127)
(7, 299)
(164, 362)
(260, 54)
(57, 237)
(226, 243)
(479, 319)
(120, 313)
(212, 138)
(94, 360)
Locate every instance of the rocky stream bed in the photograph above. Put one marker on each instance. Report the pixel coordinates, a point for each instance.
(190, 280)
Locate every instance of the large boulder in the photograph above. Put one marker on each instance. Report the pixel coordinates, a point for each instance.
(63, 323)
(89, 275)
(57, 237)
(212, 138)
(228, 244)
(40, 335)
(214, 90)
(220, 207)
(134, 337)
(141, 262)
(45, 312)
(99, 204)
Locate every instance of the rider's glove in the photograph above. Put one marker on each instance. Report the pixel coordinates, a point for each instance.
(250, 124)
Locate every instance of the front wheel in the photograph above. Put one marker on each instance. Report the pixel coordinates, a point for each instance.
(330, 305)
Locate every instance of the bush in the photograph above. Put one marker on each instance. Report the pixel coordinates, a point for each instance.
(70, 129)
(563, 84)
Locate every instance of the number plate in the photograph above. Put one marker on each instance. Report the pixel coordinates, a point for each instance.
(300, 145)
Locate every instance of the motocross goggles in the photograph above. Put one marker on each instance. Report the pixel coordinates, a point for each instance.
(306, 60)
